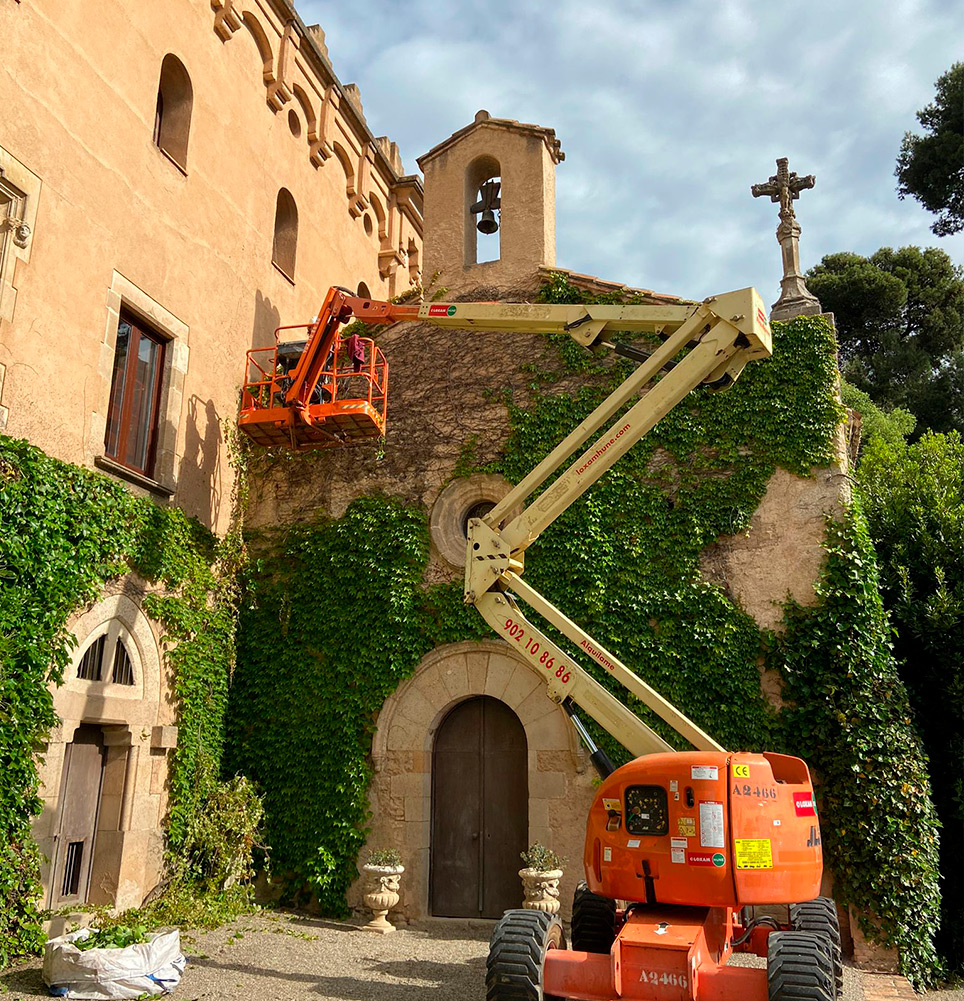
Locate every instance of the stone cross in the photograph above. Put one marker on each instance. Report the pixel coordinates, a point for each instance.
(783, 187)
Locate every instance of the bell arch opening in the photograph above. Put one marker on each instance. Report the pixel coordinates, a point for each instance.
(483, 205)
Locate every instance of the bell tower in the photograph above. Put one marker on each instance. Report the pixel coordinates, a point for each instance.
(490, 204)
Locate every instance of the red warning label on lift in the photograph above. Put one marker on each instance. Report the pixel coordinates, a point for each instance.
(441, 310)
(803, 804)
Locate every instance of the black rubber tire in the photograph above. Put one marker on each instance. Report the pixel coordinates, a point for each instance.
(593, 921)
(517, 952)
(819, 917)
(799, 967)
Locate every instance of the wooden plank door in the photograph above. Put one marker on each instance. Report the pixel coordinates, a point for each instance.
(480, 806)
(80, 801)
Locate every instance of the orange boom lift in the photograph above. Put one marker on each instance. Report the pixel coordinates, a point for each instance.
(309, 394)
(681, 847)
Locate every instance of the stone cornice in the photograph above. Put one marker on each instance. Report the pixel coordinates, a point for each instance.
(291, 33)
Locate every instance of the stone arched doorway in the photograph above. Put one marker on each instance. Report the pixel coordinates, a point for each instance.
(480, 807)
(559, 781)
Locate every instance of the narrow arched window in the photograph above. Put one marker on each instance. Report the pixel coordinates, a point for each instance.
(172, 116)
(285, 234)
(107, 658)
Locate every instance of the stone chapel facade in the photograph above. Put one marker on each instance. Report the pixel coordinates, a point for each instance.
(430, 796)
(211, 182)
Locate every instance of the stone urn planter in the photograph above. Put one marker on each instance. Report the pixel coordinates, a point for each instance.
(540, 879)
(384, 874)
(541, 889)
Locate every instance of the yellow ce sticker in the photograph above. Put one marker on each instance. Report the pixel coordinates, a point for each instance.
(741, 771)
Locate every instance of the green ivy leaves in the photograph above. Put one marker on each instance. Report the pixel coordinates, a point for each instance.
(64, 533)
(850, 718)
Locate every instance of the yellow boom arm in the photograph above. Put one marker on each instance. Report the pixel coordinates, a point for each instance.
(710, 343)
(702, 343)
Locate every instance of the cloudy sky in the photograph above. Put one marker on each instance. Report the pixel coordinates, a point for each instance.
(668, 110)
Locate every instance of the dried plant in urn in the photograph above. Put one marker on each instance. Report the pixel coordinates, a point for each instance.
(540, 878)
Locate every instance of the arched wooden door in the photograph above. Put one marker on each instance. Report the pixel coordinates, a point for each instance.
(480, 810)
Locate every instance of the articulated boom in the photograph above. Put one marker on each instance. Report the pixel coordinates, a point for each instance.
(705, 343)
(716, 339)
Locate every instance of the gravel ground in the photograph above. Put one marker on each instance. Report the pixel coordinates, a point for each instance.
(286, 957)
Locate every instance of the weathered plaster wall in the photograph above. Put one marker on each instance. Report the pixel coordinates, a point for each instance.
(78, 90)
(781, 553)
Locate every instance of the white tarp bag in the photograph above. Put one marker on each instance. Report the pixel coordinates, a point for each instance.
(153, 967)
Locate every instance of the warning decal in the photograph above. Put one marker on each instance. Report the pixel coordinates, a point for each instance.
(686, 826)
(441, 310)
(803, 804)
(704, 772)
(753, 853)
(711, 825)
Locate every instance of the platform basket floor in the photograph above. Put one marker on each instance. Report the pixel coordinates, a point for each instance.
(340, 427)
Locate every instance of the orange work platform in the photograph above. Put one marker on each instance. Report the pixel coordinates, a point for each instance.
(346, 405)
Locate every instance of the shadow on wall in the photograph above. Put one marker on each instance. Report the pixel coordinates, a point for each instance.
(199, 480)
(267, 319)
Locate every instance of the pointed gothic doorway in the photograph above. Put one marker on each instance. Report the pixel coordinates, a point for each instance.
(480, 804)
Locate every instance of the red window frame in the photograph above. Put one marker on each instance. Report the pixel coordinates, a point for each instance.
(135, 396)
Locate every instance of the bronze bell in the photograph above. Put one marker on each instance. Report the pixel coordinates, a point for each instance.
(488, 202)
(487, 223)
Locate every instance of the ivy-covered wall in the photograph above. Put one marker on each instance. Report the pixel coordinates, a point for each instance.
(64, 533)
(336, 614)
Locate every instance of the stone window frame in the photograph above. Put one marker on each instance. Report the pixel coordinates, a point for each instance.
(453, 504)
(19, 198)
(119, 615)
(115, 630)
(124, 296)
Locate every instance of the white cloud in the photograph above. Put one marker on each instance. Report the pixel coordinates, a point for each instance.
(668, 112)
